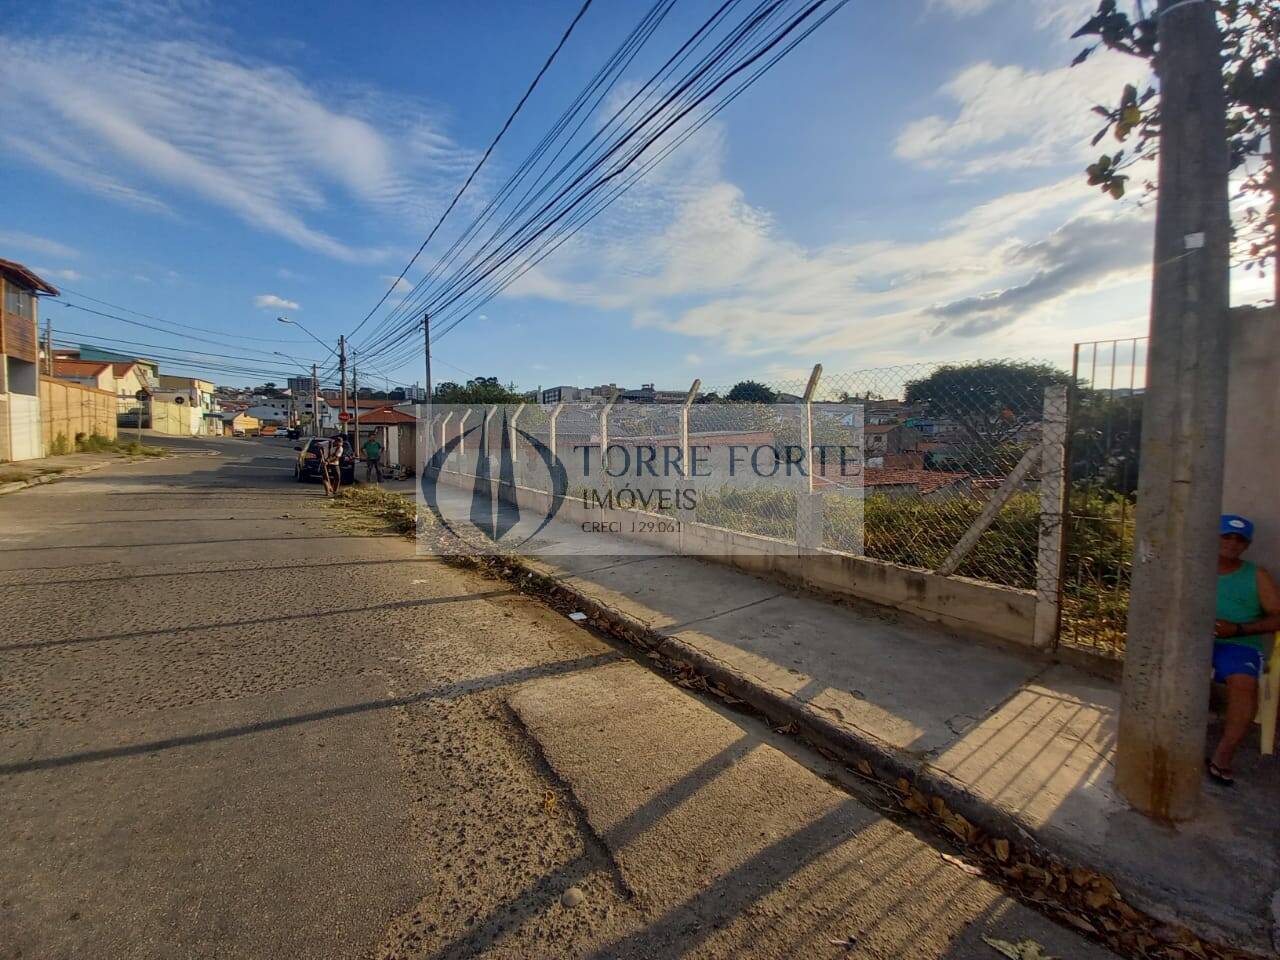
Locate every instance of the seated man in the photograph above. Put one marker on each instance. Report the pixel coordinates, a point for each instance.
(1248, 609)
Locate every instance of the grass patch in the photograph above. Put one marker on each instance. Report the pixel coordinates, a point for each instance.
(135, 449)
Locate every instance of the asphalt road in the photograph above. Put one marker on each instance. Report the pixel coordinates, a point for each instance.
(234, 723)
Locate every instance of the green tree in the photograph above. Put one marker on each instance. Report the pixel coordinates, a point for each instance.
(1106, 436)
(749, 391)
(477, 390)
(989, 400)
(1251, 75)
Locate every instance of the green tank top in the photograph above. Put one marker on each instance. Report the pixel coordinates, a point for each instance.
(1238, 601)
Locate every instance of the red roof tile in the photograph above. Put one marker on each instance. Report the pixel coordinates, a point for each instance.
(20, 274)
(78, 368)
(384, 417)
(926, 481)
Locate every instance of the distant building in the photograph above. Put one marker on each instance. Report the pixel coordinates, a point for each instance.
(150, 367)
(301, 386)
(560, 394)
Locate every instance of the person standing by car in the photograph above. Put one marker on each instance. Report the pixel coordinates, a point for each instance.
(331, 466)
(372, 452)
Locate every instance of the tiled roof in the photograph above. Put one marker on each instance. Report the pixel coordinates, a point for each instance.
(385, 416)
(20, 274)
(79, 368)
(926, 481)
(881, 427)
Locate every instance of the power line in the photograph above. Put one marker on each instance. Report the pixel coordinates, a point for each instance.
(149, 326)
(498, 261)
(603, 82)
(589, 213)
(148, 316)
(458, 196)
(160, 346)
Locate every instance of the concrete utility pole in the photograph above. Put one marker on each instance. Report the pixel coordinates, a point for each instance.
(315, 402)
(1164, 711)
(355, 389)
(48, 347)
(342, 368)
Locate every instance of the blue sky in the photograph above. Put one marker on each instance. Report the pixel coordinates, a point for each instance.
(904, 187)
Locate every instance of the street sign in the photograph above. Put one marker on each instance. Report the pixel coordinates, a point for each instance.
(343, 417)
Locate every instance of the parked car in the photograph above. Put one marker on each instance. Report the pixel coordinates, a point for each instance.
(307, 466)
(294, 433)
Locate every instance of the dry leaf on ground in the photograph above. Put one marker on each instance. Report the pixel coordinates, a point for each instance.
(1022, 950)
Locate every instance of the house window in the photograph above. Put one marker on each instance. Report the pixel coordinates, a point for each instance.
(19, 301)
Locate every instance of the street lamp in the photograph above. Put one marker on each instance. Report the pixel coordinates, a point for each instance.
(306, 331)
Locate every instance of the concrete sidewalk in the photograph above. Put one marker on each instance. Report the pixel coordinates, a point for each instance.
(1019, 745)
(1016, 742)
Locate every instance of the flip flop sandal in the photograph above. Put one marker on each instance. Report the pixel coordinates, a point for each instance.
(1218, 775)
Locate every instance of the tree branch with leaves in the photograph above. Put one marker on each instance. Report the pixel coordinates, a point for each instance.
(1251, 76)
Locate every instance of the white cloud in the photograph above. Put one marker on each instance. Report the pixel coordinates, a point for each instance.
(1050, 14)
(1010, 117)
(713, 267)
(400, 284)
(63, 273)
(962, 8)
(29, 242)
(270, 301)
(693, 359)
(126, 116)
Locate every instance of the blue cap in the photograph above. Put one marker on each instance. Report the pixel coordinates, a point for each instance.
(1230, 523)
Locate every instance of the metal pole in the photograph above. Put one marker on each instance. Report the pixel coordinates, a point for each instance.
(809, 516)
(426, 349)
(315, 402)
(355, 443)
(1165, 700)
(342, 372)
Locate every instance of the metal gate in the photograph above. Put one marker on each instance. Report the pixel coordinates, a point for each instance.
(1109, 378)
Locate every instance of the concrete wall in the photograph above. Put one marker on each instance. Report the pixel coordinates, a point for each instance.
(173, 419)
(976, 608)
(70, 408)
(1253, 423)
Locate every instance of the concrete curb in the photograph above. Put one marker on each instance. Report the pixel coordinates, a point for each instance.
(17, 485)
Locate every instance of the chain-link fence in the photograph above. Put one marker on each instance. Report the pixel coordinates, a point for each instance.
(947, 476)
(1106, 429)
(940, 441)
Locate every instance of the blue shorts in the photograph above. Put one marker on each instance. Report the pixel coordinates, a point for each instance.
(1231, 659)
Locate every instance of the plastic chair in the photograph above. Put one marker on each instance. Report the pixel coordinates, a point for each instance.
(1269, 699)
